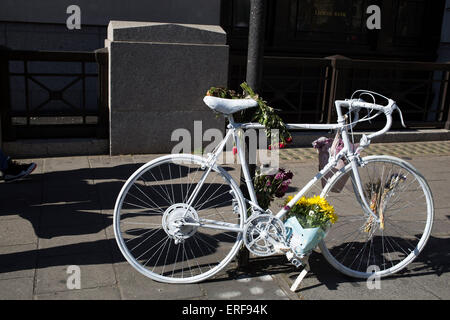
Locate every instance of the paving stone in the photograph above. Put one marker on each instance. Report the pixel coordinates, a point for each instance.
(20, 209)
(144, 158)
(17, 261)
(72, 240)
(16, 231)
(70, 220)
(20, 198)
(58, 164)
(326, 283)
(110, 174)
(113, 247)
(431, 269)
(102, 293)
(108, 192)
(244, 287)
(134, 285)
(68, 207)
(95, 271)
(441, 226)
(314, 288)
(437, 286)
(112, 168)
(67, 171)
(16, 289)
(394, 149)
(69, 216)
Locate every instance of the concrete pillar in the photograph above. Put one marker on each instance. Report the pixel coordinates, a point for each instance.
(158, 76)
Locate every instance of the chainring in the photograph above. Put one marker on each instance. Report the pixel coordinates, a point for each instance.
(263, 233)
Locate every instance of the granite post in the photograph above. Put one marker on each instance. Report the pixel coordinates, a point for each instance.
(158, 76)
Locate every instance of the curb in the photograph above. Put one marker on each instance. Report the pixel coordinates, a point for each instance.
(33, 148)
(43, 148)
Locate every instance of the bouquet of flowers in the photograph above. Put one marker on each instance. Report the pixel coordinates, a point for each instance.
(308, 223)
(313, 212)
(379, 194)
(267, 187)
(264, 114)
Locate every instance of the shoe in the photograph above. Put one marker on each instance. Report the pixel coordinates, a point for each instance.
(17, 171)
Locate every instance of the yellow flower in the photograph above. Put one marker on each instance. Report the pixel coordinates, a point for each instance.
(302, 201)
(322, 207)
(289, 198)
(332, 217)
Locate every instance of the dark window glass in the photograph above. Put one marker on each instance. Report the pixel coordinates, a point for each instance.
(409, 21)
(241, 13)
(341, 20)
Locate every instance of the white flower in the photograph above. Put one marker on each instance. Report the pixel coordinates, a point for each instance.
(311, 213)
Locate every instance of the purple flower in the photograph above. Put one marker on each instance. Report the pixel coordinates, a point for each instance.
(284, 176)
(282, 189)
(339, 146)
(322, 142)
(289, 175)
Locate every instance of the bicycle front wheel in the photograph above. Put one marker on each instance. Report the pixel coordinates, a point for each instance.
(167, 234)
(360, 245)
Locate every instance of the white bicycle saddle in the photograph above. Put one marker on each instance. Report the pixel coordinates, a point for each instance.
(229, 106)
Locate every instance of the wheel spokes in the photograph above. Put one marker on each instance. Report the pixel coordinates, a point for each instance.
(401, 204)
(186, 242)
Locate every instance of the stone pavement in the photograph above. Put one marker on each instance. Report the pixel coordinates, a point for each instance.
(62, 216)
(409, 149)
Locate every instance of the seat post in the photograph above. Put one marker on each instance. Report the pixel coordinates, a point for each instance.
(230, 119)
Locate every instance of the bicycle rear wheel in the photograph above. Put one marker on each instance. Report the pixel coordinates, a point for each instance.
(158, 229)
(361, 246)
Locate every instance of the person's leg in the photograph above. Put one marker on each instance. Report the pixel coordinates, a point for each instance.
(11, 170)
(3, 161)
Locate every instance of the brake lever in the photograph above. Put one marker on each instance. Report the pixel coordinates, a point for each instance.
(401, 115)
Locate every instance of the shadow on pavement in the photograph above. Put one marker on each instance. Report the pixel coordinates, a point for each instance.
(433, 260)
(67, 203)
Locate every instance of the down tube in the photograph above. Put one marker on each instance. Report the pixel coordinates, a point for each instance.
(318, 176)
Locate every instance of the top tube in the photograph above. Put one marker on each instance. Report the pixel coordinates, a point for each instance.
(292, 126)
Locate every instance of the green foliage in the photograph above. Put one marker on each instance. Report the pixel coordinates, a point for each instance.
(264, 115)
(224, 93)
(267, 116)
(267, 187)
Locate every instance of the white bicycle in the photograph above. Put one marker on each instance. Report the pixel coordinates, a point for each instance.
(181, 218)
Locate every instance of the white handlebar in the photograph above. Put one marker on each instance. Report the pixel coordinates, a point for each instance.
(355, 104)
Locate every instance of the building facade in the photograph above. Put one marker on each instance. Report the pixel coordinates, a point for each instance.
(297, 77)
(409, 29)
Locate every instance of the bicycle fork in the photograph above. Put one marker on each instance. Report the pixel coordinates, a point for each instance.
(354, 161)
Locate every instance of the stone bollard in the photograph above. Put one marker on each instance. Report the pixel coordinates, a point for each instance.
(158, 76)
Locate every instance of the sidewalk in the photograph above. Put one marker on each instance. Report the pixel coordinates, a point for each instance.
(62, 216)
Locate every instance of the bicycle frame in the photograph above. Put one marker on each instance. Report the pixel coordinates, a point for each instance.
(347, 152)
(391, 185)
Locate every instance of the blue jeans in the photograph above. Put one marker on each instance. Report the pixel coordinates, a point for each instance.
(3, 161)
